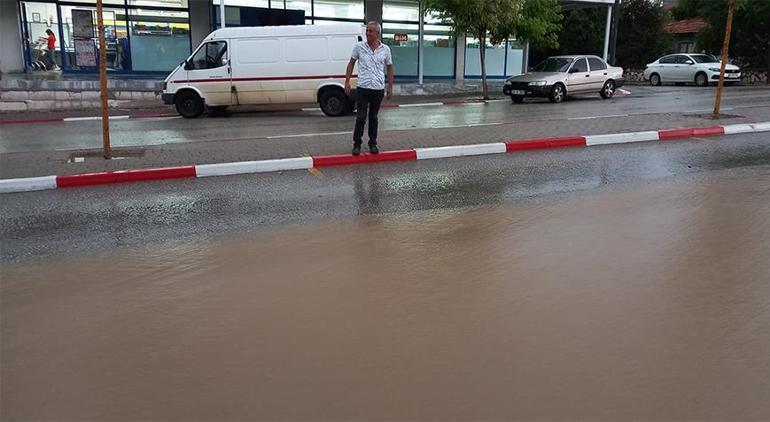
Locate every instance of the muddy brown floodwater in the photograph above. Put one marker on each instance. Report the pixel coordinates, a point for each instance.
(646, 302)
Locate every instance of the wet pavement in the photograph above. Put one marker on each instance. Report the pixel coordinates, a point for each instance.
(57, 148)
(264, 127)
(622, 283)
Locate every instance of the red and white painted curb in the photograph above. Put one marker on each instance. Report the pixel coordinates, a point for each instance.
(263, 166)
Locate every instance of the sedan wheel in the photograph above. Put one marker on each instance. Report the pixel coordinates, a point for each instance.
(655, 79)
(701, 79)
(608, 90)
(557, 93)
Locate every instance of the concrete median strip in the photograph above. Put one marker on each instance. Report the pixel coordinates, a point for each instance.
(261, 166)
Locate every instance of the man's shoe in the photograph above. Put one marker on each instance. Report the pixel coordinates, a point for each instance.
(373, 149)
(356, 150)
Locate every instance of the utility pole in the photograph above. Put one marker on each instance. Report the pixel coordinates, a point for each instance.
(221, 13)
(725, 50)
(420, 49)
(103, 82)
(615, 23)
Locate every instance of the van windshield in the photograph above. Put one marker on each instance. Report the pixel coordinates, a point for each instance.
(553, 64)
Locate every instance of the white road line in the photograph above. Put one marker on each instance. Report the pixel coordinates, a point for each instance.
(80, 119)
(444, 127)
(307, 135)
(478, 124)
(597, 117)
(420, 105)
(312, 109)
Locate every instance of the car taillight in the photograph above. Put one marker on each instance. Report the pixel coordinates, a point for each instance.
(165, 85)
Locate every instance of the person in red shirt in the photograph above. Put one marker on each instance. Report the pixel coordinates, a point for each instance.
(50, 49)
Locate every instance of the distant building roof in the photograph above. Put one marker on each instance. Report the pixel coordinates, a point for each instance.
(685, 26)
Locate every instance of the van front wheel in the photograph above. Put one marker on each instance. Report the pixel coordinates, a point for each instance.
(334, 103)
(188, 104)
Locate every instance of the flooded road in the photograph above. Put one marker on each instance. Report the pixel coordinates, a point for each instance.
(642, 301)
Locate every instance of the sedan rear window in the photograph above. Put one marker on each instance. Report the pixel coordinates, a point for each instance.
(553, 64)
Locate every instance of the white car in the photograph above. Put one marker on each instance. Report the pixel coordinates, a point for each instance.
(559, 76)
(683, 68)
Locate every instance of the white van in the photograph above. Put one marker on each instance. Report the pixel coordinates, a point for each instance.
(266, 65)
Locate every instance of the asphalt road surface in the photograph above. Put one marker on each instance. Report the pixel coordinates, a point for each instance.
(626, 282)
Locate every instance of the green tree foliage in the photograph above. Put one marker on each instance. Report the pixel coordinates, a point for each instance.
(750, 38)
(641, 34)
(535, 21)
(582, 33)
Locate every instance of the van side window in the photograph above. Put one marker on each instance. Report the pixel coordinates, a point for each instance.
(211, 55)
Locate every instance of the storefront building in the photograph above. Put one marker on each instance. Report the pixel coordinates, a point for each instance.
(153, 36)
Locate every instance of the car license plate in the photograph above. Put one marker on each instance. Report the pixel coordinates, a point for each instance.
(732, 75)
(517, 92)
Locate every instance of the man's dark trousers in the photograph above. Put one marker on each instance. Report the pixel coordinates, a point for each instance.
(367, 100)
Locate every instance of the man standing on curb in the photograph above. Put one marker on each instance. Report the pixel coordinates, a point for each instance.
(373, 57)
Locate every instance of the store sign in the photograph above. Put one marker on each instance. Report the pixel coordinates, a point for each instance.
(85, 53)
(82, 24)
(401, 37)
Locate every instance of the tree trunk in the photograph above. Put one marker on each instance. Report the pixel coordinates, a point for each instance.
(482, 57)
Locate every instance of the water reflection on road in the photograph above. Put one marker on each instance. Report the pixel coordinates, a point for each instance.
(643, 303)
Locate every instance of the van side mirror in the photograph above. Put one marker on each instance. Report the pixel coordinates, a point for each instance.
(187, 65)
(690, 62)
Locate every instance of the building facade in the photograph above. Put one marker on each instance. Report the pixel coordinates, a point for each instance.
(153, 36)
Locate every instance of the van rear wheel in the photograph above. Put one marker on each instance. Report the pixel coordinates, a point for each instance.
(335, 103)
(188, 104)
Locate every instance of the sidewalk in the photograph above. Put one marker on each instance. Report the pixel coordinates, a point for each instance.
(32, 164)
